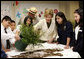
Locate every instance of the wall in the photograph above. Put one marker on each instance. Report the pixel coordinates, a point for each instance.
(67, 7)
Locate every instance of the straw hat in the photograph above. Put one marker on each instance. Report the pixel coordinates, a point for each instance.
(32, 10)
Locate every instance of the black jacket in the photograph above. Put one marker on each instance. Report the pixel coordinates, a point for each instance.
(78, 46)
(63, 34)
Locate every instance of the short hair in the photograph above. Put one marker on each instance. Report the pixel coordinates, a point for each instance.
(48, 12)
(7, 18)
(12, 21)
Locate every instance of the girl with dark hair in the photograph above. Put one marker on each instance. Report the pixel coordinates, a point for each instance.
(65, 30)
(78, 34)
(28, 20)
(26, 30)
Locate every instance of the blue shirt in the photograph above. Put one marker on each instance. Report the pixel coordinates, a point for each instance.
(3, 54)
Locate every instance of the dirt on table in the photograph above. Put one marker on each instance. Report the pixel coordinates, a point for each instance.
(39, 53)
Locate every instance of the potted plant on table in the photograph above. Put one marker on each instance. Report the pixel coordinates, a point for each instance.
(28, 36)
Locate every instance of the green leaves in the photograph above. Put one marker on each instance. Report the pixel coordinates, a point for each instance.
(29, 35)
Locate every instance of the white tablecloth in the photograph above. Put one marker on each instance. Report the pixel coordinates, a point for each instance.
(67, 53)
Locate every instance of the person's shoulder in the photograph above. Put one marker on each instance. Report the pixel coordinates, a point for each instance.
(68, 23)
(53, 20)
(42, 20)
(2, 26)
(9, 28)
(18, 26)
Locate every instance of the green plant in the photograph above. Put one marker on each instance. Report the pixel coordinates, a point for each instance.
(28, 36)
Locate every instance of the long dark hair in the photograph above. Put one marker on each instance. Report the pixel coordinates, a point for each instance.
(26, 18)
(80, 13)
(61, 14)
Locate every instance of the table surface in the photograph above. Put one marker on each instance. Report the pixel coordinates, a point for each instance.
(67, 53)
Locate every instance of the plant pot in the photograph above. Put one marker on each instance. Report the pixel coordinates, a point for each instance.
(20, 45)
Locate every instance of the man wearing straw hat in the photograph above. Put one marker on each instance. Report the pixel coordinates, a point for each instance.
(33, 13)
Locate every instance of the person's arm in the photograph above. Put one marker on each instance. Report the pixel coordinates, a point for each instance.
(68, 41)
(38, 18)
(67, 44)
(38, 25)
(79, 46)
(14, 38)
(69, 31)
(55, 33)
(3, 47)
(6, 50)
(17, 33)
(55, 36)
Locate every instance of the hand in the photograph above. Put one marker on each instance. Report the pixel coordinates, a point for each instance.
(50, 41)
(17, 37)
(7, 50)
(57, 42)
(17, 32)
(71, 48)
(66, 47)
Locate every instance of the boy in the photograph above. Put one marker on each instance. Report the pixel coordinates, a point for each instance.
(7, 36)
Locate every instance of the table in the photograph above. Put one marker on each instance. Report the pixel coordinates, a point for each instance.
(67, 53)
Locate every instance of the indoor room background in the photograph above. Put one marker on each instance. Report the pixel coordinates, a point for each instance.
(16, 9)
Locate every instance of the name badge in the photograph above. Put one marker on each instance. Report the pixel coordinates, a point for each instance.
(64, 27)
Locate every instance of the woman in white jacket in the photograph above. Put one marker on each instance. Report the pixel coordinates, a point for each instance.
(47, 27)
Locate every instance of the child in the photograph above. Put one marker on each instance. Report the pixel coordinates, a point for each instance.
(65, 30)
(13, 26)
(78, 47)
(27, 21)
(7, 36)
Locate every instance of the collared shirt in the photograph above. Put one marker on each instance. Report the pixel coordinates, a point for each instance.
(45, 32)
(7, 36)
(76, 31)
